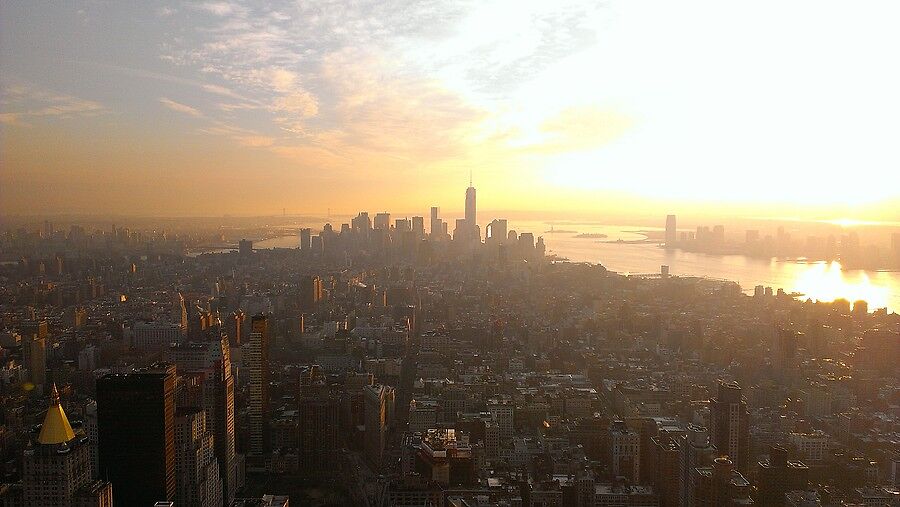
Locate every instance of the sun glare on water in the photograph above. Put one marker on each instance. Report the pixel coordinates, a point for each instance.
(825, 281)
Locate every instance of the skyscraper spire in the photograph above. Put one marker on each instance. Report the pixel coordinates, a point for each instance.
(56, 428)
(470, 177)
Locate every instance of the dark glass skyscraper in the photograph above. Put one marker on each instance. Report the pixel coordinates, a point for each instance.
(730, 424)
(257, 363)
(136, 425)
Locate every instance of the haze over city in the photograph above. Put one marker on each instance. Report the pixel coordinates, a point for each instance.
(568, 108)
(460, 253)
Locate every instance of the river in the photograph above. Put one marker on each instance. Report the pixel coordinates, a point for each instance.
(822, 281)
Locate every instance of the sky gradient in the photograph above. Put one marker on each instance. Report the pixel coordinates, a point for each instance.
(205, 108)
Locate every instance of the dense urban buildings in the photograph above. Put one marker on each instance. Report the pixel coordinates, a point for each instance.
(377, 363)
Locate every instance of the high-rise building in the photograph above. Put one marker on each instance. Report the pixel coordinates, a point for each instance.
(35, 334)
(305, 238)
(496, 231)
(382, 221)
(418, 227)
(436, 225)
(90, 428)
(625, 451)
(670, 230)
(311, 292)
(136, 423)
(379, 400)
(778, 475)
(208, 363)
(730, 424)
(694, 450)
(245, 248)
(470, 205)
(662, 472)
(719, 485)
(320, 420)
(257, 364)
(56, 465)
(197, 479)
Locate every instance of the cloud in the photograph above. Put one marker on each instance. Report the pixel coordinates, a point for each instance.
(582, 127)
(221, 90)
(9, 118)
(21, 103)
(179, 107)
(300, 103)
(218, 8)
(346, 78)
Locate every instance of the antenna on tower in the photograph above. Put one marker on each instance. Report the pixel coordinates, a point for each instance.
(470, 177)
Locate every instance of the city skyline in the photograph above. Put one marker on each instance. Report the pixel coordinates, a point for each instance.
(568, 109)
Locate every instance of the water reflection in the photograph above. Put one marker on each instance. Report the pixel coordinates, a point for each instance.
(819, 281)
(826, 281)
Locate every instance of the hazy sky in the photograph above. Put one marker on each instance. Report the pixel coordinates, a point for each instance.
(770, 107)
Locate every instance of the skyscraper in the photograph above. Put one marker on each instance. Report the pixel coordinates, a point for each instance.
(209, 363)
(379, 400)
(35, 334)
(56, 465)
(320, 419)
(305, 238)
(670, 230)
(136, 424)
(730, 424)
(470, 204)
(418, 227)
(436, 226)
(382, 221)
(197, 479)
(257, 363)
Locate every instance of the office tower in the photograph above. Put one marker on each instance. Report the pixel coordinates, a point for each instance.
(402, 225)
(197, 479)
(179, 314)
(245, 248)
(35, 334)
(778, 475)
(694, 451)
(496, 231)
(379, 401)
(718, 234)
(662, 472)
(361, 225)
(436, 227)
(320, 419)
(136, 423)
(470, 204)
(625, 451)
(382, 221)
(90, 428)
(418, 227)
(56, 469)
(311, 291)
(208, 365)
(730, 424)
(503, 413)
(257, 364)
(670, 230)
(305, 235)
(235, 327)
(719, 485)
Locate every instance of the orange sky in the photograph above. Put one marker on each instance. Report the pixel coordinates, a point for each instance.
(568, 109)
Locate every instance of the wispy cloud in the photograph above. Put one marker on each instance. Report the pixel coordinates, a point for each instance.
(179, 107)
(23, 103)
(345, 79)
